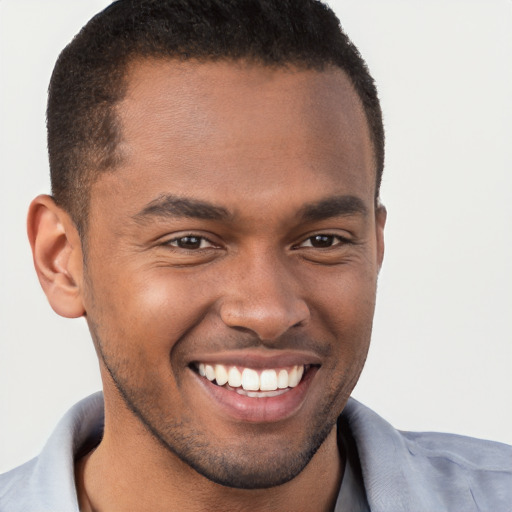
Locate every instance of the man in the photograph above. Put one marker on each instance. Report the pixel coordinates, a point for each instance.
(216, 218)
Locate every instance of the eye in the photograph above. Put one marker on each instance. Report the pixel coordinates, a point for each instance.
(191, 242)
(322, 241)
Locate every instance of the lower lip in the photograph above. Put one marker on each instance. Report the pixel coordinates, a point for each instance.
(258, 410)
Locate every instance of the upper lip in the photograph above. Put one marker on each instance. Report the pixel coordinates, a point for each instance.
(258, 359)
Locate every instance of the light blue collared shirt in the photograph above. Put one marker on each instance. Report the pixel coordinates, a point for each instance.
(386, 471)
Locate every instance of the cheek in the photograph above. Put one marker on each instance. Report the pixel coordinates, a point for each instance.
(343, 308)
(344, 296)
(142, 314)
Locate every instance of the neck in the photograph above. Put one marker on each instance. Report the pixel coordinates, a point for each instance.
(137, 473)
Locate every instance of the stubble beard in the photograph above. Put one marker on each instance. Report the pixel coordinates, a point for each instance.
(241, 464)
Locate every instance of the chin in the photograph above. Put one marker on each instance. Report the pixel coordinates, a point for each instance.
(253, 467)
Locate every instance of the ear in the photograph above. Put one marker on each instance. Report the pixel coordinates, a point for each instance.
(57, 253)
(380, 222)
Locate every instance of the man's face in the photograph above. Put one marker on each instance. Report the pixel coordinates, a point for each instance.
(239, 237)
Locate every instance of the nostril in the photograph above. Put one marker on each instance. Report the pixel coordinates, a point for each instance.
(300, 323)
(243, 330)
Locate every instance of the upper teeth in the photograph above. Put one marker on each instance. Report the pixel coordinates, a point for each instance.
(250, 379)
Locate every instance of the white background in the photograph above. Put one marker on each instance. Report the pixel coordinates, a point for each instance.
(442, 348)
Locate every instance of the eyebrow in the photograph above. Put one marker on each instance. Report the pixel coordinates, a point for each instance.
(170, 206)
(335, 206)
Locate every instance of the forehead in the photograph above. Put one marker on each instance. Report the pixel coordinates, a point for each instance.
(211, 129)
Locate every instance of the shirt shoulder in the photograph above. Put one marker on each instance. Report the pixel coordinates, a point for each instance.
(15, 487)
(428, 471)
(46, 483)
(467, 452)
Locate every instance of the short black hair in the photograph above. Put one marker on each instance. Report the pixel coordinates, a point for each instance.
(89, 78)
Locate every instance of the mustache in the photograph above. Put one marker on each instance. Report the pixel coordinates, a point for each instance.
(242, 339)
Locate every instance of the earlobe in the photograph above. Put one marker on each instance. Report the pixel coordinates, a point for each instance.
(57, 254)
(380, 222)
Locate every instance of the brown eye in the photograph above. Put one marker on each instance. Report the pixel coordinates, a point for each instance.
(322, 241)
(191, 242)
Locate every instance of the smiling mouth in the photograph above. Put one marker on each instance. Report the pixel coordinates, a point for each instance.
(261, 383)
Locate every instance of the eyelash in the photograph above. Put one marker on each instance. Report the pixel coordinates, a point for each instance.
(332, 241)
(176, 241)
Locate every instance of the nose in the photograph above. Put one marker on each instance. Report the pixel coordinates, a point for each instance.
(264, 298)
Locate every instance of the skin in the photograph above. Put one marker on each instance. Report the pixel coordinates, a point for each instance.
(281, 155)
